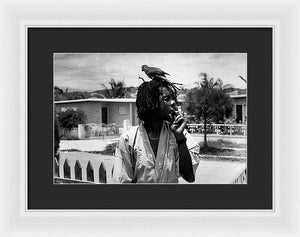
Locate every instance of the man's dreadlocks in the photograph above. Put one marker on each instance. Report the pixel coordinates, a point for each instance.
(147, 101)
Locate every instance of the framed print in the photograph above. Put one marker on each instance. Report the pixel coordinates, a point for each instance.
(43, 57)
(230, 176)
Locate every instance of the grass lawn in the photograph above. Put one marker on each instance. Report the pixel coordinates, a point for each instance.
(223, 148)
(224, 144)
(109, 150)
(222, 152)
(217, 148)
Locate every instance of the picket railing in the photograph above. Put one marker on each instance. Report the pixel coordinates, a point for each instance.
(81, 167)
(218, 129)
(87, 168)
(241, 178)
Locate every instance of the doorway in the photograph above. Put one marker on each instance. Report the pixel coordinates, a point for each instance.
(239, 113)
(104, 115)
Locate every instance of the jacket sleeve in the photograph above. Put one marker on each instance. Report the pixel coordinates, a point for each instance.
(194, 149)
(123, 168)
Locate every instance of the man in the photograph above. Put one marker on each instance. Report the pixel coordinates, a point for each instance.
(159, 150)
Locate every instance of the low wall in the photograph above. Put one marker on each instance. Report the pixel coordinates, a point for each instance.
(97, 169)
(83, 167)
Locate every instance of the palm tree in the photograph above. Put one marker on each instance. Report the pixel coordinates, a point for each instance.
(208, 101)
(243, 79)
(117, 90)
(212, 83)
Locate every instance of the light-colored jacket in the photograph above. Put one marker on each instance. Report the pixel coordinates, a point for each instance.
(135, 161)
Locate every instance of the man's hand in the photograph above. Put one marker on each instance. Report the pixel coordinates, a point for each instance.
(178, 126)
(185, 160)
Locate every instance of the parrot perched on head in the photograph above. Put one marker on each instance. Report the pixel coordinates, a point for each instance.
(153, 72)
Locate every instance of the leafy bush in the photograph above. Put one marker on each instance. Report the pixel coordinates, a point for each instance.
(70, 119)
(68, 137)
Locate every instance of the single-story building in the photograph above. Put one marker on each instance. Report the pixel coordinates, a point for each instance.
(103, 111)
(239, 112)
(116, 110)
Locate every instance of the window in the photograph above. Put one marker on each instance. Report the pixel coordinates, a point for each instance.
(122, 110)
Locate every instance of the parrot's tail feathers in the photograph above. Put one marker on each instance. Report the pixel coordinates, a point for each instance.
(142, 79)
(158, 77)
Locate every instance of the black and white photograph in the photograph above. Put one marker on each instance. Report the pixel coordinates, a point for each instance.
(150, 118)
(178, 115)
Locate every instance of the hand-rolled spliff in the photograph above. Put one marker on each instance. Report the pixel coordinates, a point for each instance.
(174, 114)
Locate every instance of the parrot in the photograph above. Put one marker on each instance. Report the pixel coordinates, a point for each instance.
(153, 72)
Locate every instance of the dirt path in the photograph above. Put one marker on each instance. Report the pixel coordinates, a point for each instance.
(217, 172)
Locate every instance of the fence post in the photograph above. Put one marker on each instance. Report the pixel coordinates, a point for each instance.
(230, 129)
(81, 132)
(72, 170)
(84, 173)
(61, 168)
(125, 125)
(96, 176)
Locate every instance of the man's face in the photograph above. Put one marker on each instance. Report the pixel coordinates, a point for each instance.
(167, 104)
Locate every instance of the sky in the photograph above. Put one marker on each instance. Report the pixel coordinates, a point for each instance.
(89, 71)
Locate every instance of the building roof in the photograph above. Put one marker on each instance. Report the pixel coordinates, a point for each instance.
(97, 100)
(118, 100)
(238, 96)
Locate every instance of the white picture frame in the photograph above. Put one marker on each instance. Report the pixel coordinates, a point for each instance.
(283, 16)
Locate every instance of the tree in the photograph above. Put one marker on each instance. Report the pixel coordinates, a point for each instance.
(76, 95)
(244, 80)
(58, 94)
(117, 90)
(70, 118)
(208, 102)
